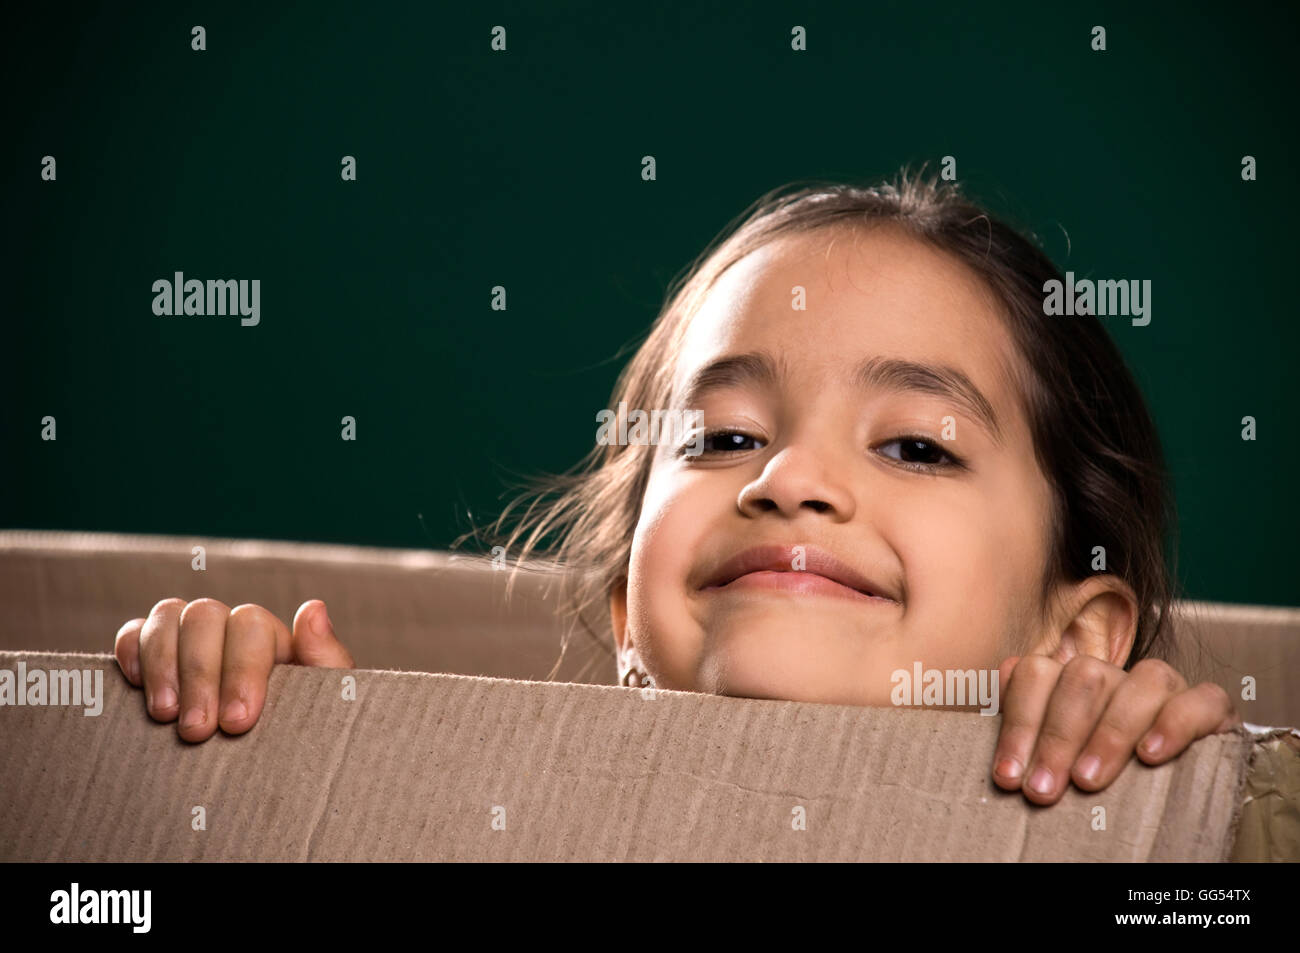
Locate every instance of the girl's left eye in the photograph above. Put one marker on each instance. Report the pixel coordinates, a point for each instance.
(921, 453)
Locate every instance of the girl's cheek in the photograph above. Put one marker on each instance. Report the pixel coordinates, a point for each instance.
(663, 542)
(958, 585)
(675, 511)
(663, 498)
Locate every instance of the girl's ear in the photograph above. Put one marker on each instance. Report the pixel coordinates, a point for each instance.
(618, 615)
(1097, 617)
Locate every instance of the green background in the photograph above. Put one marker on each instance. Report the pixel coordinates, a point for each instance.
(522, 169)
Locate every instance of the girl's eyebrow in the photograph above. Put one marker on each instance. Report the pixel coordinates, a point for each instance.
(734, 370)
(875, 373)
(938, 379)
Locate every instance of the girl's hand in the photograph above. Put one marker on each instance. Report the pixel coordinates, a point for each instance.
(1082, 719)
(209, 663)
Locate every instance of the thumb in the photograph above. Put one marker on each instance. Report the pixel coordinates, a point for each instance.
(314, 642)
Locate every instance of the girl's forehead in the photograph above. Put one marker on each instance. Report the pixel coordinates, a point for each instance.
(833, 298)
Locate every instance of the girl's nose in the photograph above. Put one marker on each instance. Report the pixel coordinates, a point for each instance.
(796, 479)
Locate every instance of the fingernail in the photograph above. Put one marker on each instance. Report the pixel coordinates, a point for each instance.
(134, 668)
(1153, 744)
(165, 699)
(193, 718)
(234, 711)
(1041, 782)
(1089, 767)
(1009, 768)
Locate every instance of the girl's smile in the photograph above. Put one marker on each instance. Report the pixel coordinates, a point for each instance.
(796, 568)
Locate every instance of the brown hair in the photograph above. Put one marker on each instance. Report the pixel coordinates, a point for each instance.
(1093, 436)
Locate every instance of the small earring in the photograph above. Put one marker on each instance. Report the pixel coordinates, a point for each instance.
(635, 678)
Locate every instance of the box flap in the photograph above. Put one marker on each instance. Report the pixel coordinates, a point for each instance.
(445, 767)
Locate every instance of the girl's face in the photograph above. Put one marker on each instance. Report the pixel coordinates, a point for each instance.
(820, 410)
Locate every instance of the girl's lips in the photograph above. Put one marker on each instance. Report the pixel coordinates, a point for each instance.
(795, 560)
(793, 581)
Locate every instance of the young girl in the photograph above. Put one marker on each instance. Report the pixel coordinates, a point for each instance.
(904, 464)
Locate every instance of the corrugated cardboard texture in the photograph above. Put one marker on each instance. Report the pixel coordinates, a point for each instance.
(436, 612)
(418, 767)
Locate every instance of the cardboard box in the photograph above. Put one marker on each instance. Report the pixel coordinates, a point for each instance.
(487, 766)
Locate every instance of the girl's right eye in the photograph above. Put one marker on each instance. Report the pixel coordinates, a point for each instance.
(726, 441)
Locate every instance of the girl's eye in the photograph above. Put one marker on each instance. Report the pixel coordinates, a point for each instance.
(919, 453)
(724, 441)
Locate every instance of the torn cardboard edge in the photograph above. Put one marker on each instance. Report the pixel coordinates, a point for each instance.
(362, 765)
(1268, 824)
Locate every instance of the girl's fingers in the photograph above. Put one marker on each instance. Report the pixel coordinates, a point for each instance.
(1192, 713)
(1005, 669)
(1230, 721)
(200, 645)
(126, 649)
(314, 641)
(1085, 686)
(208, 665)
(1023, 704)
(158, 638)
(1132, 711)
(255, 641)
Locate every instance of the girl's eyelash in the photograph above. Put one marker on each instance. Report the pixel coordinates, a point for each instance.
(708, 435)
(953, 461)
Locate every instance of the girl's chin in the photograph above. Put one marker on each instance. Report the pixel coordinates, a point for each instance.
(783, 676)
(827, 636)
